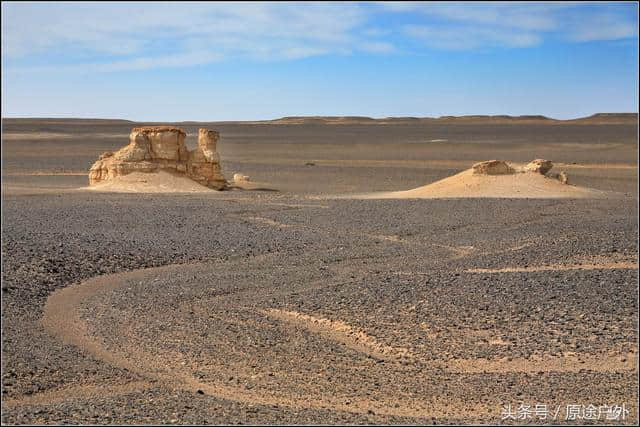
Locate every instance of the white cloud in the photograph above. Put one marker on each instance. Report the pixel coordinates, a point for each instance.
(123, 28)
(523, 16)
(476, 25)
(133, 36)
(604, 26)
(134, 64)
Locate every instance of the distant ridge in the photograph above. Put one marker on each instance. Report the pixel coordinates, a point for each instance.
(599, 118)
(609, 118)
(496, 118)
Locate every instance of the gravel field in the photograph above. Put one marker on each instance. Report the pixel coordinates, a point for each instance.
(292, 307)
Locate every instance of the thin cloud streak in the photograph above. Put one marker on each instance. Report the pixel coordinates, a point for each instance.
(103, 37)
(465, 38)
(478, 25)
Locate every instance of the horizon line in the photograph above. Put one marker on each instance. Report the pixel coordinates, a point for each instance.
(325, 117)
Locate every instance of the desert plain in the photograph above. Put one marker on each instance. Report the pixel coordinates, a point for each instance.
(325, 292)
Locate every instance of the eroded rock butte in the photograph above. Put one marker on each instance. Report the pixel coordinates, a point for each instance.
(152, 148)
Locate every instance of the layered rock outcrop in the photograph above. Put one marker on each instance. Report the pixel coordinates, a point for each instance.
(153, 148)
(540, 166)
(537, 166)
(492, 167)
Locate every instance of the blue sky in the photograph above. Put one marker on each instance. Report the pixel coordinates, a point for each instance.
(245, 61)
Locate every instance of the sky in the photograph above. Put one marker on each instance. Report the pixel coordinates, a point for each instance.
(213, 61)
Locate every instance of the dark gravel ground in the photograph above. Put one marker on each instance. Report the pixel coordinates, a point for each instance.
(394, 270)
(385, 267)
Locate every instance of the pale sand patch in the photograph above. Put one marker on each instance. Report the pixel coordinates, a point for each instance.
(156, 182)
(558, 267)
(584, 263)
(389, 238)
(251, 186)
(518, 185)
(268, 221)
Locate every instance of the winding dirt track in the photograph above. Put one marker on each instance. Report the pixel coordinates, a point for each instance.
(63, 318)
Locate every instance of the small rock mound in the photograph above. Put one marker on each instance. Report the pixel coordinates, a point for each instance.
(156, 148)
(507, 182)
(492, 167)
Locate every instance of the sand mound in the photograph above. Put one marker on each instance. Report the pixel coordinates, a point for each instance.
(161, 181)
(519, 183)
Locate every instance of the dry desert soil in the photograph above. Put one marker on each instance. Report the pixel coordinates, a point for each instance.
(327, 294)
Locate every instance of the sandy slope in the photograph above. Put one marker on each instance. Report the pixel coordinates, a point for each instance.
(159, 182)
(519, 185)
(166, 182)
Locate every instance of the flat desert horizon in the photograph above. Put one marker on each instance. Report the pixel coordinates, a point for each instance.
(361, 273)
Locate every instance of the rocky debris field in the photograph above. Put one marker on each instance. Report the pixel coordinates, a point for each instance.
(286, 309)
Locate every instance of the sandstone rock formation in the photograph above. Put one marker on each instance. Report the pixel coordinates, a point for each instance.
(492, 167)
(153, 148)
(539, 165)
(543, 167)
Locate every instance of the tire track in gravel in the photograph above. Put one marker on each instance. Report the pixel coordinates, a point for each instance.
(61, 318)
(358, 340)
(342, 332)
(612, 265)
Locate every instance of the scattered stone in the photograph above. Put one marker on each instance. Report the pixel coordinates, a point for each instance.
(154, 148)
(563, 177)
(238, 177)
